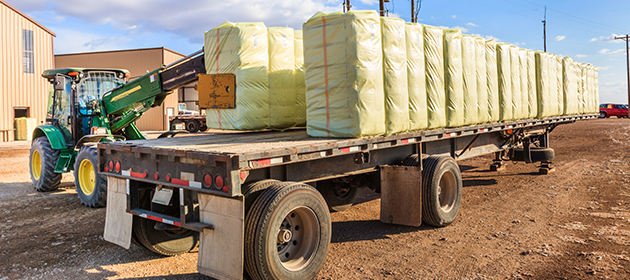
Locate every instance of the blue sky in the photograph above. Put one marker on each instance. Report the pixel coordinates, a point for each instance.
(580, 29)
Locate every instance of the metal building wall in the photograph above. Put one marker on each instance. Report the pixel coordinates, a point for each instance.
(138, 62)
(18, 89)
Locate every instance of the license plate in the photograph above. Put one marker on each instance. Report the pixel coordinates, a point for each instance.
(162, 195)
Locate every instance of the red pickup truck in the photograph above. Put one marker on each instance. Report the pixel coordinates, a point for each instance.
(619, 110)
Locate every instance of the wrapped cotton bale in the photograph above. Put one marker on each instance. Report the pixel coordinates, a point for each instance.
(343, 58)
(416, 77)
(547, 101)
(585, 88)
(395, 75)
(283, 108)
(523, 112)
(469, 74)
(240, 49)
(595, 90)
(515, 77)
(492, 78)
(300, 85)
(570, 86)
(559, 85)
(454, 81)
(531, 85)
(553, 85)
(482, 82)
(434, 62)
(504, 70)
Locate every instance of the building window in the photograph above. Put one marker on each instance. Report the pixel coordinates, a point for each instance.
(28, 60)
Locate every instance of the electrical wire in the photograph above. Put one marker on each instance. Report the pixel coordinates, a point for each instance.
(557, 11)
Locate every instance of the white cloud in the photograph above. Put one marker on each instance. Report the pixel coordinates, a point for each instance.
(603, 51)
(471, 24)
(606, 39)
(559, 38)
(454, 16)
(488, 37)
(603, 68)
(369, 2)
(72, 41)
(581, 55)
(608, 52)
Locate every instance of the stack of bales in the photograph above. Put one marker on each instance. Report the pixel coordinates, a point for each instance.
(269, 70)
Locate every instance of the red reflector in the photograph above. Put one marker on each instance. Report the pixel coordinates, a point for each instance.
(207, 179)
(179, 182)
(138, 175)
(118, 166)
(225, 189)
(243, 175)
(156, 176)
(111, 165)
(264, 161)
(405, 141)
(218, 181)
(168, 177)
(345, 150)
(106, 169)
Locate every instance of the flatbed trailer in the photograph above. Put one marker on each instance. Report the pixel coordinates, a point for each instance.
(259, 202)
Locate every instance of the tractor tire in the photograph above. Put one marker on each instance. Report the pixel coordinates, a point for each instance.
(287, 233)
(192, 126)
(338, 196)
(167, 242)
(537, 154)
(441, 190)
(42, 161)
(91, 186)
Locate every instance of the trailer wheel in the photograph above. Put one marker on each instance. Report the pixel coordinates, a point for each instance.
(168, 242)
(203, 128)
(411, 160)
(42, 163)
(287, 233)
(90, 185)
(192, 126)
(252, 190)
(537, 154)
(338, 196)
(441, 190)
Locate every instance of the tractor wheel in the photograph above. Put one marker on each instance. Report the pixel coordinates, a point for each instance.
(192, 126)
(42, 165)
(91, 186)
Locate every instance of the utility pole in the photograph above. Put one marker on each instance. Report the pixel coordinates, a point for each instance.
(381, 4)
(626, 38)
(413, 11)
(545, 30)
(346, 6)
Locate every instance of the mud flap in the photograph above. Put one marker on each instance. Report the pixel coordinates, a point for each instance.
(118, 222)
(401, 195)
(221, 249)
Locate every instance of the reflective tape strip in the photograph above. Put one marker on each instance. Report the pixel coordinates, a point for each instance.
(449, 134)
(186, 183)
(267, 161)
(349, 149)
(157, 219)
(126, 172)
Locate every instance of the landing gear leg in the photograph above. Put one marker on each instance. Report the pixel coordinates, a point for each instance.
(497, 162)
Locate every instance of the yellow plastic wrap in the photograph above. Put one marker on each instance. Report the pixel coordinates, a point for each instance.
(416, 77)
(343, 59)
(283, 107)
(547, 101)
(300, 85)
(454, 82)
(240, 49)
(469, 74)
(531, 85)
(559, 85)
(523, 106)
(515, 77)
(553, 85)
(585, 87)
(434, 61)
(395, 75)
(492, 79)
(570, 86)
(482, 83)
(595, 90)
(506, 112)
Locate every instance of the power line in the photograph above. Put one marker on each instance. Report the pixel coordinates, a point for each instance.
(557, 11)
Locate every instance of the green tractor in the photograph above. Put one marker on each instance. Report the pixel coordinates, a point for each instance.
(87, 106)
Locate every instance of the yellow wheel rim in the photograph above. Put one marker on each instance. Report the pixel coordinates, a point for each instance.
(86, 177)
(36, 165)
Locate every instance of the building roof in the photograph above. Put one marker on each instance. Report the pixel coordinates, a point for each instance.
(127, 50)
(28, 18)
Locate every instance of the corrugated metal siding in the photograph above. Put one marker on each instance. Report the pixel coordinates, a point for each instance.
(18, 89)
(138, 62)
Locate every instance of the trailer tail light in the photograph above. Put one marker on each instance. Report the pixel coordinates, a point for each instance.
(218, 181)
(168, 177)
(207, 180)
(111, 165)
(156, 176)
(117, 166)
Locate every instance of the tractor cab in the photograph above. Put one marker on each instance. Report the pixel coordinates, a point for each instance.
(74, 104)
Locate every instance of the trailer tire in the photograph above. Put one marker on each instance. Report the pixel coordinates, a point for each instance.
(42, 161)
(411, 160)
(192, 126)
(287, 233)
(203, 128)
(91, 186)
(339, 196)
(164, 242)
(252, 190)
(537, 154)
(441, 190)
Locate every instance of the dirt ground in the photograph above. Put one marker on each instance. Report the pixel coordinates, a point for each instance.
(513, 224)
